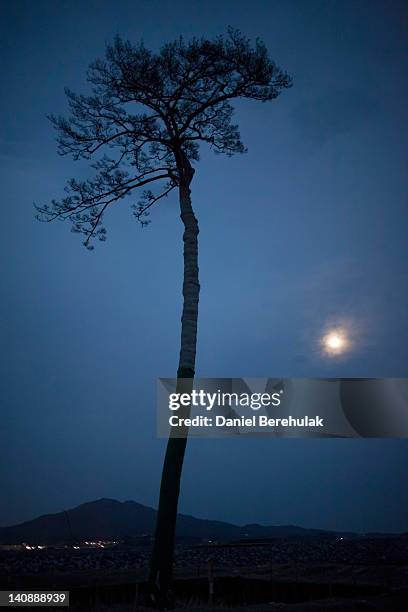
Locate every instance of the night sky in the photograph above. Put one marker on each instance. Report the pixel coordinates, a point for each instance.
(305, 230)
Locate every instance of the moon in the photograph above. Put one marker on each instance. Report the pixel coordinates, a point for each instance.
(335, 342)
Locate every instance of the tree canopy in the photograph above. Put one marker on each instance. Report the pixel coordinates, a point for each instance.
(145, 117)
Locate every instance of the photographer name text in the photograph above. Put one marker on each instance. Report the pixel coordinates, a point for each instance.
(245, 421)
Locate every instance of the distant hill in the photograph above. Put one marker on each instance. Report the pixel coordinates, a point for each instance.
(111, 519)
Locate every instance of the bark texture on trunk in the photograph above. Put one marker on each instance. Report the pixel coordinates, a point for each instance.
(161, 568)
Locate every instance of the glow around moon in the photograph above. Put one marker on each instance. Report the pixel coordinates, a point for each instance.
(335, 342)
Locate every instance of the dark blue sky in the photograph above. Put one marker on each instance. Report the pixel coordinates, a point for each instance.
(307, 229)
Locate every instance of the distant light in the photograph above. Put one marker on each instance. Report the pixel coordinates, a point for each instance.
(335, 342)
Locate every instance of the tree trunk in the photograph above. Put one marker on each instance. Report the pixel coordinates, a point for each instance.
(161, 567)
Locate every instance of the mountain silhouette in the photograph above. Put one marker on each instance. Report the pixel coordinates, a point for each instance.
(111, 519)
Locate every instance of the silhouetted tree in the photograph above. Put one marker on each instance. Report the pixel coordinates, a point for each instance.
(142, 125)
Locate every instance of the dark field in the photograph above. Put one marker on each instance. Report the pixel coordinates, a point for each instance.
(363, 572)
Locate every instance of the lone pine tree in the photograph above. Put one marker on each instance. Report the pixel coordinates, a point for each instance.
(142, 126)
